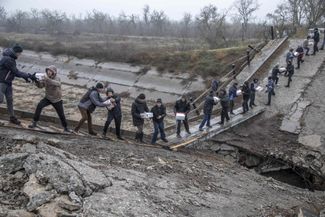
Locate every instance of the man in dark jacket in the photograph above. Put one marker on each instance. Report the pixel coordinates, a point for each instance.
(253, 87)
(224, 101)
(290, 55)
(300, 56)
(291, 71)
(207, 110)
(8, 72)
(139, 107)
(88, 104)
(182, 106)
(159, 113)
(270, 90)
(276, 72)
(114, 113)
(232, 97)
(246, 94)
(316, 40)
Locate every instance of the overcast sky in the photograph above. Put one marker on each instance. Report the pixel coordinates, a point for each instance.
(173, 8)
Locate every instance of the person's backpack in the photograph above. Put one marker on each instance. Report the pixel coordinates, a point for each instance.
(86, 96)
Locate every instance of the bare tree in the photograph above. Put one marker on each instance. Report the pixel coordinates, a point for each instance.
(280, 18)
(54, 20)
(246, 8)
(3, 15)
(315, 11)
(297, 11)
(211, 24)
(158, 19)
(16, 21)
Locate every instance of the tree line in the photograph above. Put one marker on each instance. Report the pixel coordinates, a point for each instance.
(214, 25)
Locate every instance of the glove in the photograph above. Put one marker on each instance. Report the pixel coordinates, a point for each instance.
(27, 80)
(33, 77)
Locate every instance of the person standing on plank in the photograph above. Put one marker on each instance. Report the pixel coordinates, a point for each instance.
(114, 113)
(139, 106)
(224, 101)
(207, 110)
(159, 113)
(53, 96)
(246, 95)
(270, 90)
(88, 103)
(253, 87)
(8, 72)
(232, 97)
(182, 106)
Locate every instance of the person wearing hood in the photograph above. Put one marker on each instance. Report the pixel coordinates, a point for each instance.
(300, 56)
(8, 72)
(53, 96)
(291, 71)
(276, 72)
(253, 87)
(139, 106)
(246, 95)
(87, 105)
(270, 90)
(290, 55)
(224, 101)
(182, 106)
(207, 110)
(159, 113)
(114, 113)
(232, 97)
(316, 40)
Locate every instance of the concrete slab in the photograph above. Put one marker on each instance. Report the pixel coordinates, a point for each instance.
(313, 141)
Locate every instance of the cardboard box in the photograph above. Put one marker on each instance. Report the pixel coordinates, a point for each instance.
(146, 115)
(180, 116)
(216, 99)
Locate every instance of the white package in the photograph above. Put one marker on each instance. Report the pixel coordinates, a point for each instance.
(296, 54)
(40, 76)
(259, 88)
(239, 92)
(180, 116)
(282, 69)
(146, 115)
(216, 99)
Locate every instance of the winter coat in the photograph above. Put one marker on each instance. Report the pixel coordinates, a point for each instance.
(116, 111)
(275, 72)
(232, 93)
(8, 67)
(139, 106)
(270, 86)
(316, 36)
(305, 44)
(290, 70)
(182, 107)
(208, 105)
(224, 101)
(214, 85)
(289, 56)
(93, 101)
(158, 111)
(253, 87)
(246, 92)
(52, 86)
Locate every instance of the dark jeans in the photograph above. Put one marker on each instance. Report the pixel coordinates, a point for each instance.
(58, 106)
(323, 44)
(85, 116)
(158, 127)
(307, 50)
(117, 120)
(315, 47)
(289, 80)
(6, 91)
(275, 79)
(269, 96)
(252, 99)
(206, 119)
(224, 114)
(245, 104)
(185, 122)
(299, 60)
(231, 105)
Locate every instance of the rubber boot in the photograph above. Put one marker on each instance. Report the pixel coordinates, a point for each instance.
(33, 125)
(14, 120)
(141, 138)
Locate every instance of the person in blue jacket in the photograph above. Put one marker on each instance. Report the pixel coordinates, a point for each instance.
(8, 72)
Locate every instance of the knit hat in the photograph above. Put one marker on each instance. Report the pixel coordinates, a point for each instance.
(159, 100)
(109, 90)
(52, 68)
(99, 86)
(142, 96)
(17, 48)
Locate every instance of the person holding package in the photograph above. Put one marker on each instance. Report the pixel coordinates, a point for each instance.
(182, 106)
(139, 106)
(53, 96)
(87, 106)
(305, 45)
(159, 113)
(114, 113)
(224, 101)
(207, 110)
(8, 72)
(300, 56)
